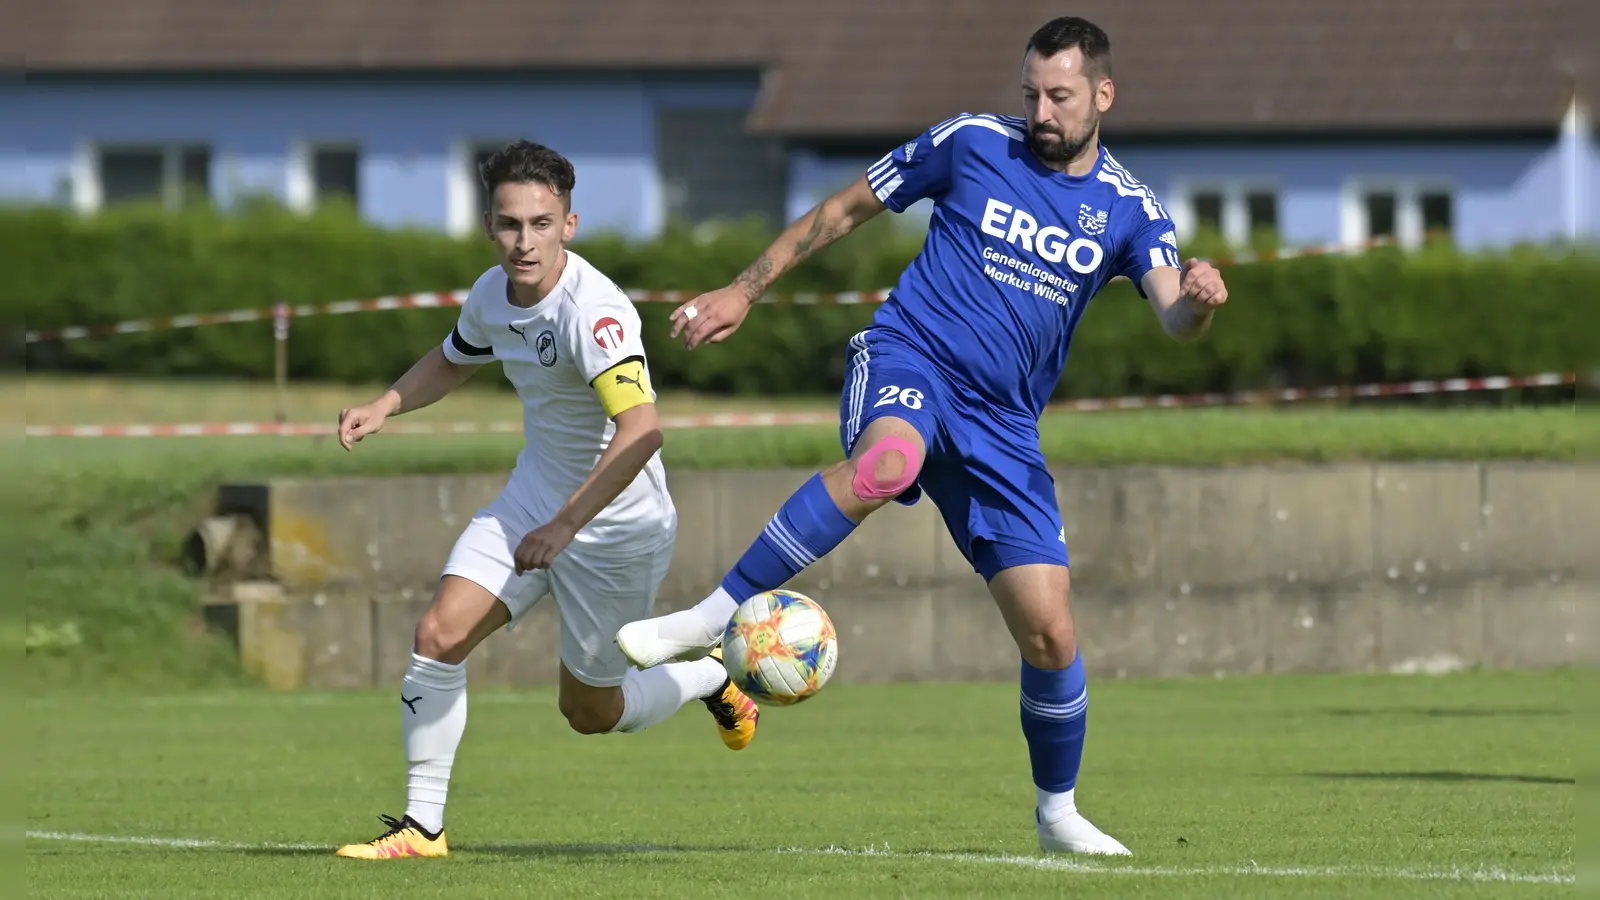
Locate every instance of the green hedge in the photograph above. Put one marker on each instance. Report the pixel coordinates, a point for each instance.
(1384, 315)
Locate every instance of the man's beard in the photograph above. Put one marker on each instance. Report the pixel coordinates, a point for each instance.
(1063, 149)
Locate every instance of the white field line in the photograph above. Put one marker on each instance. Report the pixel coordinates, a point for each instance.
(1028, 862)
(179, 843)
(1087, 868)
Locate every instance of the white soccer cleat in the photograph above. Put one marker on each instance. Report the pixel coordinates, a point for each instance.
(1075, 834)
(669, 638)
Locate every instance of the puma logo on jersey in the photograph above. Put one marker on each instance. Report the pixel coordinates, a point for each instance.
(623, 379)
(519, 333)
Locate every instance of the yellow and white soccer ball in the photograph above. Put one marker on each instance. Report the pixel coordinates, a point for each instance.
(780, 647)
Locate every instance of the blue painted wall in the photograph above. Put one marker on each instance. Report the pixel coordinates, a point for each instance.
(1589, 208)
(408, 130)
(1504, 193)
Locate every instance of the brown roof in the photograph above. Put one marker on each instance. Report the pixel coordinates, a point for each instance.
(195, 35)
(860, 68)
(1183, 65)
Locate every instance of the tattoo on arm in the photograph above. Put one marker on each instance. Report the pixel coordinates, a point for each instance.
(755, 279)
(819, 230)
(824, 230)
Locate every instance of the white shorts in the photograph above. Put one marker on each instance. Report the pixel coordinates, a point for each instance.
(598, 588)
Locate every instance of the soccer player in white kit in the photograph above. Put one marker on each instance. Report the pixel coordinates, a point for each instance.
(585, 515)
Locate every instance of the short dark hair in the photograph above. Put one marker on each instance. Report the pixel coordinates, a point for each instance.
(1067, 32)
(524, 162)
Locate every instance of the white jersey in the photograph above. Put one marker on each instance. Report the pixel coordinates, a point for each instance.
(551, 352)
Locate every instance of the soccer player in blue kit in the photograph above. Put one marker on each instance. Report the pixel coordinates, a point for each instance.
(943, 392)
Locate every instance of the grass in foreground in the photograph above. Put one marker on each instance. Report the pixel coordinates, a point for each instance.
(1372, 786)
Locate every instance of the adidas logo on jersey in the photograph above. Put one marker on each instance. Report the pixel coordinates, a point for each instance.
(1051, 243)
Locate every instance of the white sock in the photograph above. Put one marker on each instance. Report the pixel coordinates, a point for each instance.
(704, 623)
(433, 716)
(715, 611)
(1054, 807)
(651, 696)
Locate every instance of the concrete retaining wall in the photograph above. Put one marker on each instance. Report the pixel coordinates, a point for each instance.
(1175, 572)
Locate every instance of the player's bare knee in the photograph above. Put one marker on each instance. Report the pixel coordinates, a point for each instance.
(588, 717)
(588, 721)
(1051, 645)
(440, 639)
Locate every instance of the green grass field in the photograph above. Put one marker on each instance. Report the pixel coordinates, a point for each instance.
(1176, 437)
(104, 518)
(155, 769)
(94, 400)
(1371, 786)
(1192, 437)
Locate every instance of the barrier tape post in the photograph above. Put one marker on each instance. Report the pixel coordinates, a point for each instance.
(280, 342)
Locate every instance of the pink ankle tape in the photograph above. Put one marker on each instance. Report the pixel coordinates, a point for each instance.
(866, 483)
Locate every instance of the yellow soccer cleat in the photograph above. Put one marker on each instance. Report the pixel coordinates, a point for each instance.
(405, 839)
(736, 714)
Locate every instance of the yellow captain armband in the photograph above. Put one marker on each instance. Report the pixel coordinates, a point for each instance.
(624, 386)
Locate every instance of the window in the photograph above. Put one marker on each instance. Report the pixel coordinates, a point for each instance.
(467, 186)
(320, 172)
(131, 175)
(336, 173)
(1234, 211)
(194, 171)
(480, 155)
(1208, 211)
(713, 170)
(174, 175)
(1380, 209)
(1438, 216)
(1261, 208)
(1405, 211)
(468, 201)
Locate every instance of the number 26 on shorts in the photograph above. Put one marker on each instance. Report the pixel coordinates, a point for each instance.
(889, 394)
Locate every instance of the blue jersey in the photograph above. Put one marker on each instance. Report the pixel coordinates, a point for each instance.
(1014, 252)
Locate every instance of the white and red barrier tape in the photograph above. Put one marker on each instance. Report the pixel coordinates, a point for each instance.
(428, 300)
(776, 419)
(440, 299)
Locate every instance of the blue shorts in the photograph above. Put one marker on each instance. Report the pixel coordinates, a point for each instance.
(984, 469)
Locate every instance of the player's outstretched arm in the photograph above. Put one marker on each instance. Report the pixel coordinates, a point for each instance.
(1186, 301)
(713, 316)
(637, 438)
(426, 382)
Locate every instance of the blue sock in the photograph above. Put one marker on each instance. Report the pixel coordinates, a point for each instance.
(1055, 707)
(806, 528)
